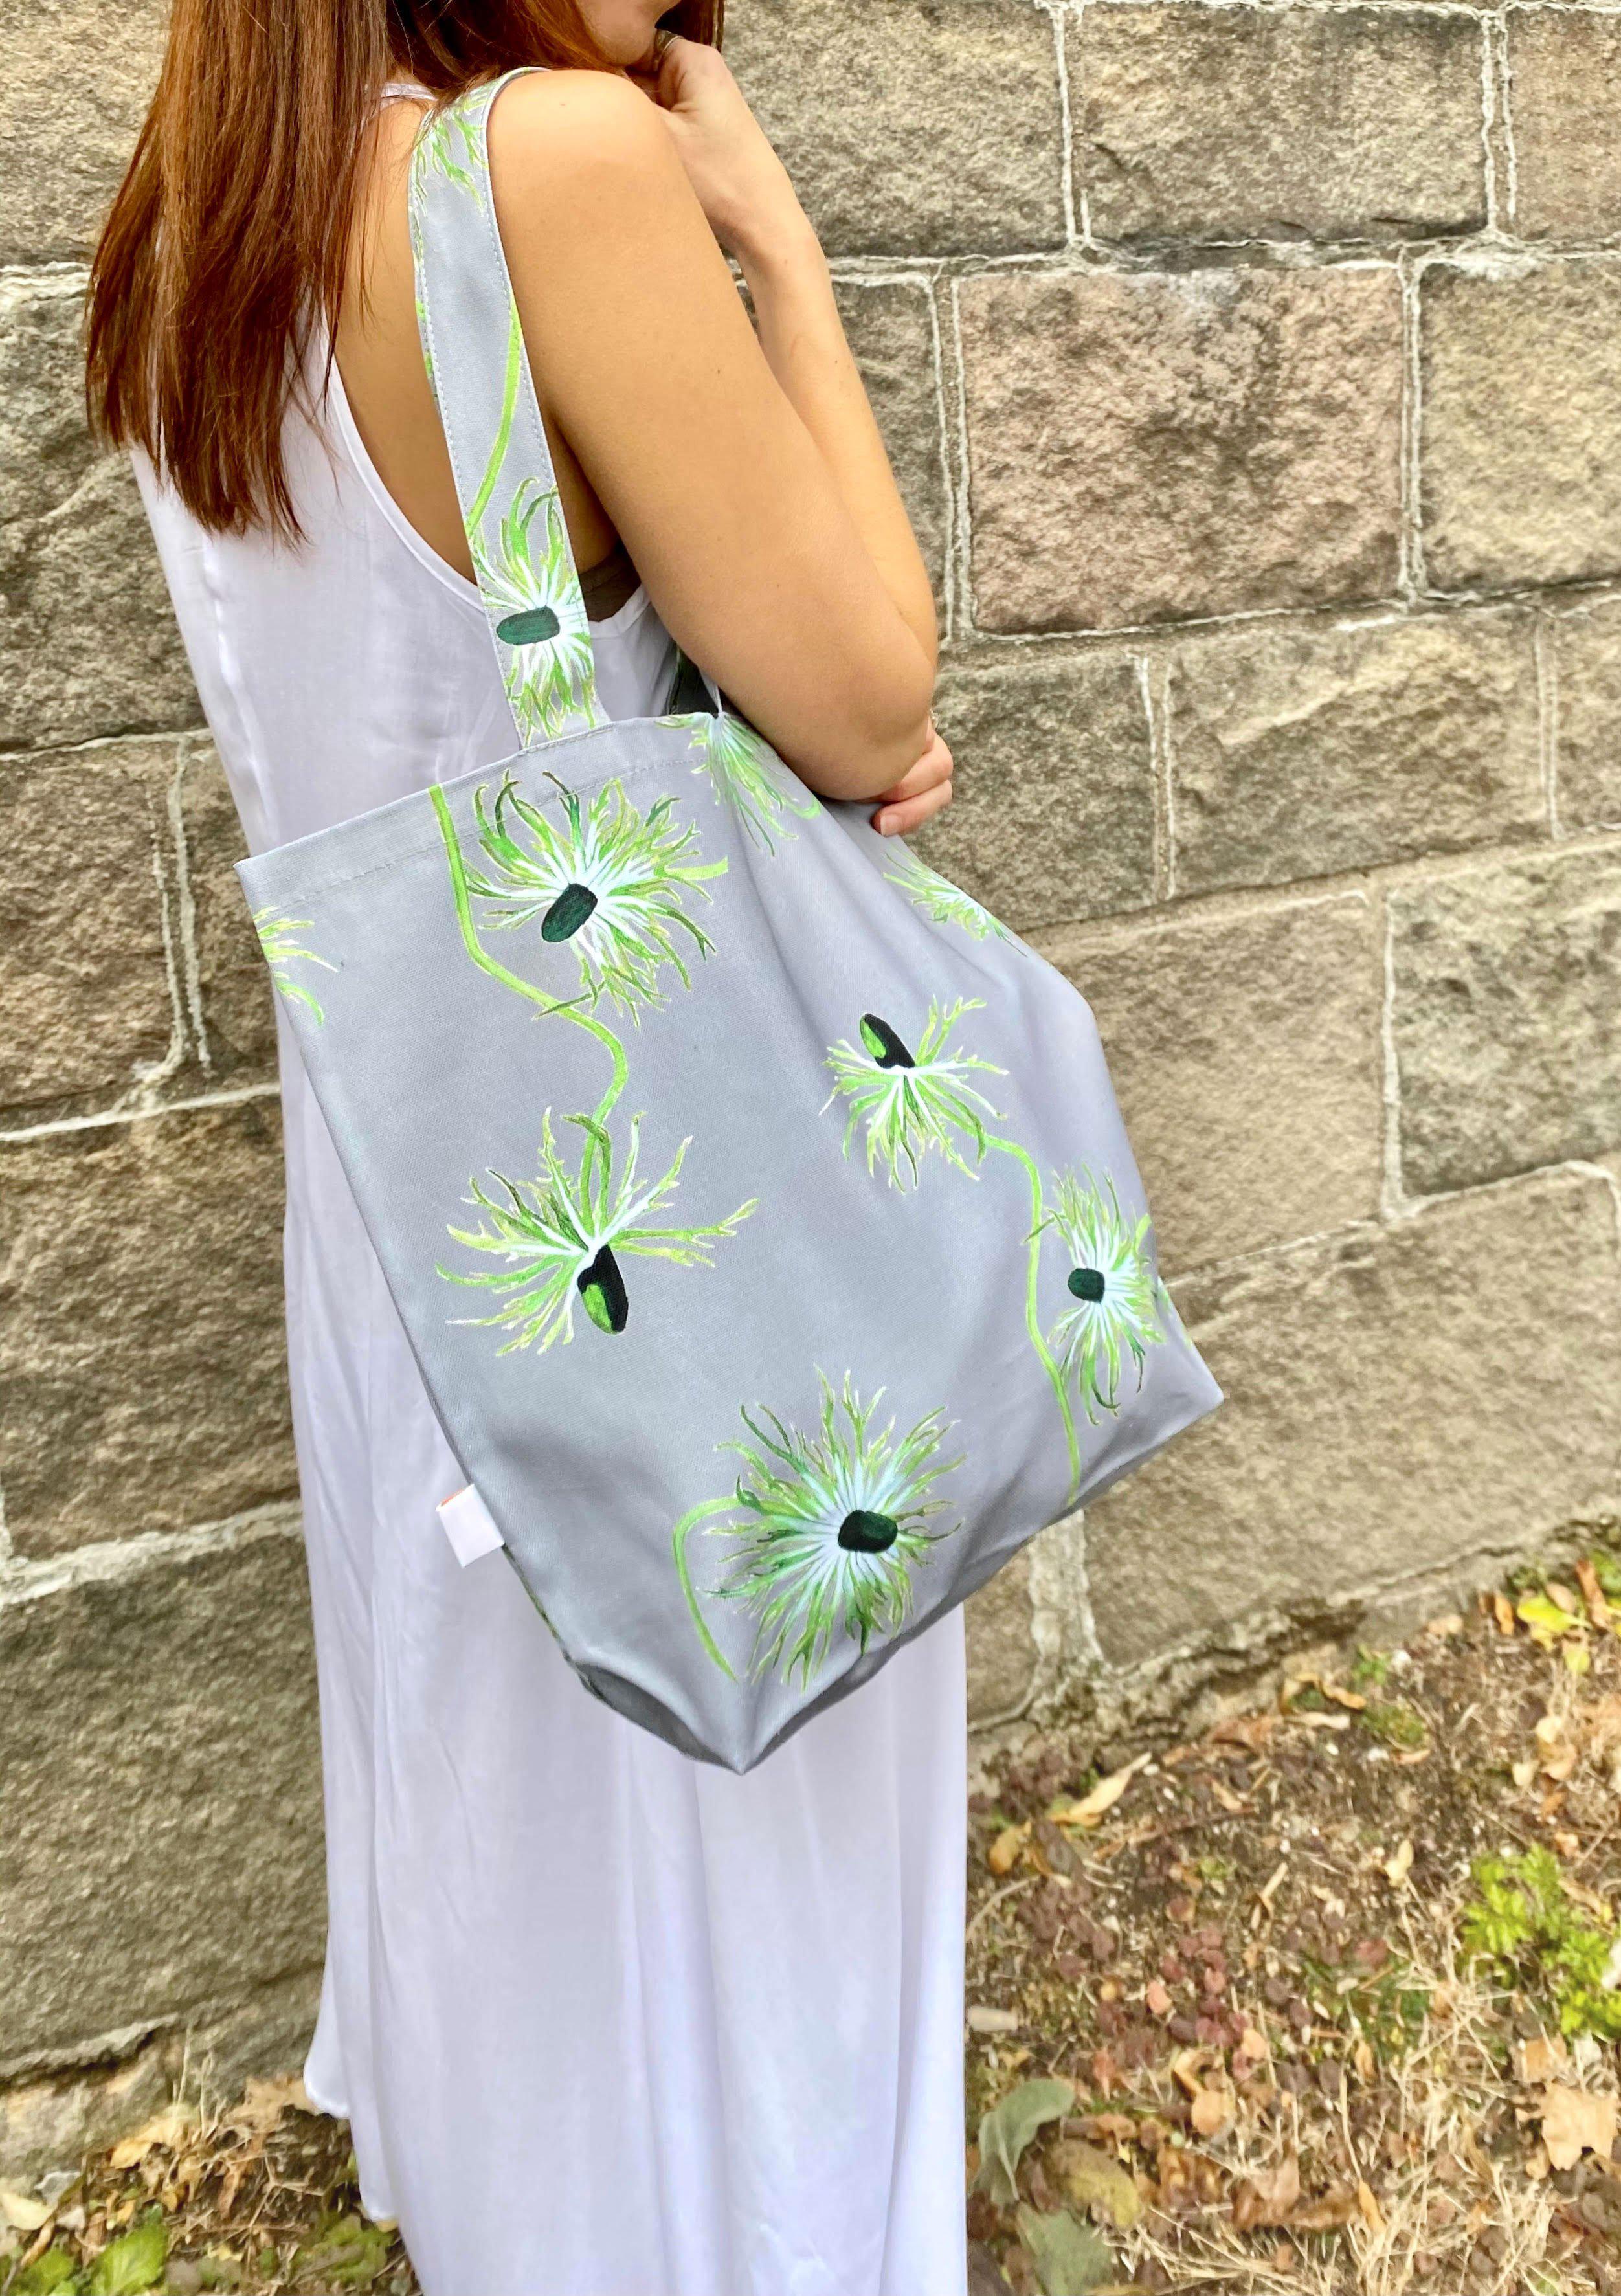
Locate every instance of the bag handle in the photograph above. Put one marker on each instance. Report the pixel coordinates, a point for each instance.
(478, 371)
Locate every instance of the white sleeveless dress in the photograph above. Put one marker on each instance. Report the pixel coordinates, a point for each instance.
(606, 2022)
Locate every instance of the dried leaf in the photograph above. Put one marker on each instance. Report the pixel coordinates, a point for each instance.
(1503, 1610)
(1157, 1999)
(1593, 1594)
(1522, 1773)
(1007, 2127)
(1268, 2198)
(985, 2020)
(1398, 1867)
(1069, 2258)
(1547, 1619)
(1367, 2201)
(170, 2128)
(1253, 1732)
(1091, 1807)
(1333, 2210)
(264, 2103)
(1097, 2184)
(22, 2211)
(1311, 1721)
(1211, 2110)
(1002, 1854)
(1540, 2058)
(1575, 2121)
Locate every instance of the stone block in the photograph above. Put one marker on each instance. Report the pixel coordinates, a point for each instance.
(1390, 1412)
(1505, 1018)
(1001, 1643)
(86, 1009)
(1149, 446)
(890, 326)
(1053, 817)
(1245, 1052)
(87, 640)
(1565, 65)
(909, 127)
(1520, 436)
(1587, 668)
(233, 980)
(1301, 753)
(77, 80)
(143, 1384)
(163, 1843)
(1238, 123)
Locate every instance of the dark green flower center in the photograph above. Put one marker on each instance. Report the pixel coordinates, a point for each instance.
(567, 912)
(885, 1046)
(863, 1532)
(534, 627)
(601, 1287)
(1088, 1283)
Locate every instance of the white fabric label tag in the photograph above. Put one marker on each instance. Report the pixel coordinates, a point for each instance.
(469, 1526)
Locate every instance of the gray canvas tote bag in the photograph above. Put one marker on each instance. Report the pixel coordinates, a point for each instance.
(757, 1207)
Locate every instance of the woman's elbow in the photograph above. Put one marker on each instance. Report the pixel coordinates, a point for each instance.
(869, 733)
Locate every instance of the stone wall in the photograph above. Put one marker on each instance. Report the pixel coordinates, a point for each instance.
(1255, 376)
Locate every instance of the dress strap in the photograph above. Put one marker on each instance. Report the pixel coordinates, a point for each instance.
(478, 371)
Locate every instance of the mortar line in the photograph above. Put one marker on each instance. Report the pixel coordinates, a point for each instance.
(187, 908)
(1077, 200)
(149, 1078)
(1412, 575)
(1488, 124)
(964, 616)
(1153, 683)
(1546, 657)
(948, 574)
(105, 1562)
(1511, 149)
(235, 1097)
(1393, 1194)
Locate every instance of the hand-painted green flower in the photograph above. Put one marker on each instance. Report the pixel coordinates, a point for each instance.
(276, 934)
(528, 576)
(939, 898)
(561, 1237)
(830, 1525)
(912, 1101)
(1112, 1279)
(604, 877)
(751, 779)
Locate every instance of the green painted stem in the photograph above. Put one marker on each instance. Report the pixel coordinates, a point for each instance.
(683, 1529)
(508, 407)
(1038, 1214)
(481, 957)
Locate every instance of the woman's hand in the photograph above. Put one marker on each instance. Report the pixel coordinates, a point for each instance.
(741, 185)
(917, 795)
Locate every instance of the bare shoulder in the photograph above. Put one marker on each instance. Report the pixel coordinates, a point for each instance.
(554, 132)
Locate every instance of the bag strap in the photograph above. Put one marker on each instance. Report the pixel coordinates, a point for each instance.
(478, 371)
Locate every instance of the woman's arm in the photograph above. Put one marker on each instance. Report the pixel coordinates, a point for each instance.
(745, 475)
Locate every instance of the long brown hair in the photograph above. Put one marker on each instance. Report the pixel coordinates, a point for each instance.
(229, 235)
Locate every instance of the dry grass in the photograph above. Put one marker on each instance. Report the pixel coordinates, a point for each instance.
(1245, 1955)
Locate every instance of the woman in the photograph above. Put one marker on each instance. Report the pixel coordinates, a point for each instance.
(605, 2023)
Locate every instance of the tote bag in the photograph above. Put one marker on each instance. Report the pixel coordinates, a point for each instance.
(758, 1206)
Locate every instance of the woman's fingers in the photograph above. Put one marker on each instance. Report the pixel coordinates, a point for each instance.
(924, 790)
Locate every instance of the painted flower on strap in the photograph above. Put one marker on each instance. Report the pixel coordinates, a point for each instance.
(528, 582)
(830, 1525)
(939, 898)
(562, 1237)
(607, 880)
(751, 779)
(276, 934)
(1112, 1282)
(911, 1098)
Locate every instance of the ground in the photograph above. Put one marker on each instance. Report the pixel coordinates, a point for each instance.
(1326, 1999)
